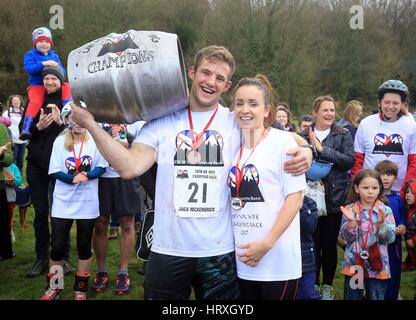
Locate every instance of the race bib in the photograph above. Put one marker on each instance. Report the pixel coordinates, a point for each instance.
(197, 191)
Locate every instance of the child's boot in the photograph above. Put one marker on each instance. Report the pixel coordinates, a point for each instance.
(81, 285)
(25, 134)
(52, 291)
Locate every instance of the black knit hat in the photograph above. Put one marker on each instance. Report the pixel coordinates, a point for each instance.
(56, 71)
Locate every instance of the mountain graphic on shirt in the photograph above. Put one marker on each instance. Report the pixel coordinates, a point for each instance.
(210, 149)
(86, 163)
(388, 144)
(249, 188)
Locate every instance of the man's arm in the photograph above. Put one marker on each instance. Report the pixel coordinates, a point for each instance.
(128, 163)
(302, 157)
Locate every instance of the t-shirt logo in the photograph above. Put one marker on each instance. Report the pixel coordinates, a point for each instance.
(86, 163)
(388, 145)
(249, 187)
(209, 150)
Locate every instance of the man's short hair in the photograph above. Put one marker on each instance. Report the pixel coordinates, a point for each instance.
(215, 52)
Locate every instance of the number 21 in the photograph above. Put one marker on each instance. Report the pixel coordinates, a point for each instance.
(195, 188)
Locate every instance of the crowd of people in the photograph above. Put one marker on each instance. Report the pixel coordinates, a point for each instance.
(231, 219)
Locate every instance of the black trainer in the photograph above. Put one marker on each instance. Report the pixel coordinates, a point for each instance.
(39, 267)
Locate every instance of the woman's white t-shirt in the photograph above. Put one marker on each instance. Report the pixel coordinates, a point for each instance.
(263, 190)
(75, 201)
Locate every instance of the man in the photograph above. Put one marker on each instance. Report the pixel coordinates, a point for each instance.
(193, 242)
(45, 128)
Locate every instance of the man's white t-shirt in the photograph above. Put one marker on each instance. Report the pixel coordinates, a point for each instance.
(75, 201)
(381, 140)
(263, 190)
(194, 220)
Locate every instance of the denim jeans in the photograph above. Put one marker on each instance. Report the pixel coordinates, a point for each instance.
(374, 289)
(306, 287)
(18, 155)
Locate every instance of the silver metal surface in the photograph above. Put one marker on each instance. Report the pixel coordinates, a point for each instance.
(138, 75)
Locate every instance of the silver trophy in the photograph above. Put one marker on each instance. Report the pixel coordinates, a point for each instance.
(137, 75)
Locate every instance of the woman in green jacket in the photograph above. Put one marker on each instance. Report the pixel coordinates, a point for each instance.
(6, 158)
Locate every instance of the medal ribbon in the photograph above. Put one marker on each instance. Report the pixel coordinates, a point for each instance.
(364, 242)
(77, 160)
(196, 142)
(239, 173)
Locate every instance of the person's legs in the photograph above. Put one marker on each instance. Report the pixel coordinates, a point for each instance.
(19, 154)
(250, 290)
(38, 180)
(329, 236)
(168, 277)
(126, 242)
(318, 248)
(306, 287)
(279, 290)
(216, 278)
(59, 235)
(352, 293)
(99, 240)
(375, 289)
(6, 251)
(85, 229)
(395, 263)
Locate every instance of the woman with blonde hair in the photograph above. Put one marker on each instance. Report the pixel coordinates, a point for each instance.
(76, 164)
(352, 114)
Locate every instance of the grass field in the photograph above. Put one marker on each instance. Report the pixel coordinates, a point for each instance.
(15, 286)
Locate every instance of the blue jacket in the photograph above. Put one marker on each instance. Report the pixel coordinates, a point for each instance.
(33, 64)
(308, 215)
(399, 210)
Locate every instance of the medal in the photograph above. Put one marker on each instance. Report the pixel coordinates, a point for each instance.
(194, 157)
(236, 203)
(364, 255)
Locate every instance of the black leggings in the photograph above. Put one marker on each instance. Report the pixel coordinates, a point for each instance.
(268, 290)
(326, 246)
(60, 233)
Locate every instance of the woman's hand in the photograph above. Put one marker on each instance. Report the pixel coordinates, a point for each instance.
(254, 253)
(314, 140)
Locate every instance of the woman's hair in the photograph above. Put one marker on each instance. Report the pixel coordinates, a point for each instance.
(352, 110)
(9, 101)
(354, 196)
(260, 81)
(69, 139)
(318, 101)
(283, 106)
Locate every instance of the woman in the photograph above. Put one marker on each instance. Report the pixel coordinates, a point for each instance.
(76, 164)
(334, 144)
(265, 199)
(6, 251)
(284, 117)
(388, 135)
(14, 112)
(352, 114)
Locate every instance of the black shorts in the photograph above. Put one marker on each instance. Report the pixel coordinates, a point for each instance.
(171, 277)
(119, 196)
